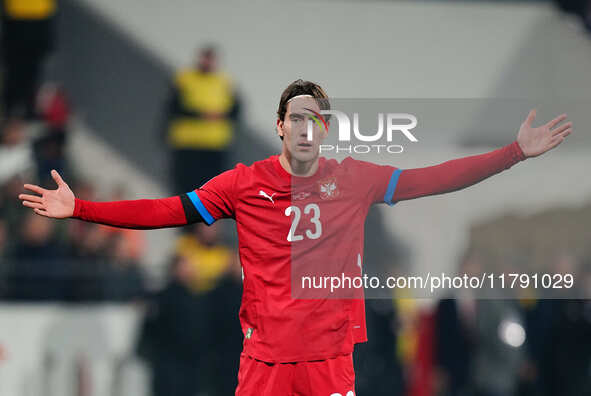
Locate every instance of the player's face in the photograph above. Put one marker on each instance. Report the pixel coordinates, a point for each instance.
(302, 114)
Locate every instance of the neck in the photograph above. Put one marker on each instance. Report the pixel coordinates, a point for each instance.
(297, 168)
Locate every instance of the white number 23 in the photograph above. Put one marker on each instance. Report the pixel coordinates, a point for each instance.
(315, 220)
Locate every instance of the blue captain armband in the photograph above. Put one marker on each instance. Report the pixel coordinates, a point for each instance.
(198, 205)
(392, 187)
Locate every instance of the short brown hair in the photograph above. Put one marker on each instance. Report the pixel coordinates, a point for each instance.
(301, 87)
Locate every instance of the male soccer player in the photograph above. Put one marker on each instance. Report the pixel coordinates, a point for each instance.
(298, 346)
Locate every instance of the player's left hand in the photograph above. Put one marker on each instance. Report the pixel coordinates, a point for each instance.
(538, 140)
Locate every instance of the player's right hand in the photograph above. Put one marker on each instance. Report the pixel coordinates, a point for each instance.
(58, 203)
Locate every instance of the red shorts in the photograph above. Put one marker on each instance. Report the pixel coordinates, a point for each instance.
(331, 377)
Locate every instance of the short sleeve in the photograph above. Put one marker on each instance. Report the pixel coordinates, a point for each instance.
(379, 181)
(216, 199)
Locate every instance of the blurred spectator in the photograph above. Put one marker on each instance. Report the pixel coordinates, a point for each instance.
(50, 147)
(200, 114)
(378, 369)
(50, 154)
(175, 336)
(479, 342)
(226, 343)
(420, 370)
(486, 362)
(36, 239)
(455, 333)
(206, 254)
(499, 351)
(36, 262)
(106, 259)
(537, 371)
(191, 336)
(567, 352)
(53, 106)
(87, 240)
(15, 150)
(12, 211)
(27, 39)
(125, 248)
(67, 261)
(455, 336)
(124, 279)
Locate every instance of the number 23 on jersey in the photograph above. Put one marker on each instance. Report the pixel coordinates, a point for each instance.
(313, 230)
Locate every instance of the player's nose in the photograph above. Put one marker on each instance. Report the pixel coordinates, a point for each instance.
(303, 133)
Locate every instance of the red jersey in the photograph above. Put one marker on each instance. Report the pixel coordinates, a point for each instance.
(293, 226)
(282, 220)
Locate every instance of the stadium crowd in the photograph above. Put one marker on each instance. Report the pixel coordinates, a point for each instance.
(48, 260)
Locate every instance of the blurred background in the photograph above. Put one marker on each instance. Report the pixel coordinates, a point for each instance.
(112, 94)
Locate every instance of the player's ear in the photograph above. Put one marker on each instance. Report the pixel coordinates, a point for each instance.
(279, 128)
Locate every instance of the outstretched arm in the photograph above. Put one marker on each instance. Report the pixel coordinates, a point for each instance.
(138, 214)
(463, 172)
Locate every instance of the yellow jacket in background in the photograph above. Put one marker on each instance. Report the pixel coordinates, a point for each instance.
(29, 9)
(202, 93)
(208, 262)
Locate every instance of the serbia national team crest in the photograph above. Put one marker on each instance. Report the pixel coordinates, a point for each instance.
(328, 188)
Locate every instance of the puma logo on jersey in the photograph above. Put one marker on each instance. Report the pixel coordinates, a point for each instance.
(269, 197)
